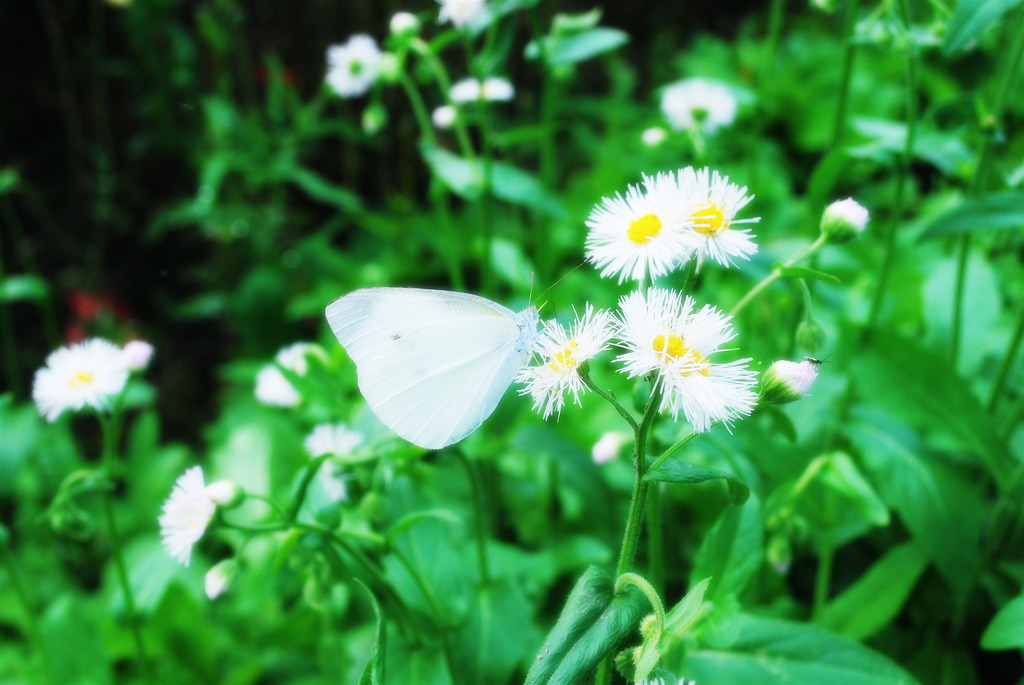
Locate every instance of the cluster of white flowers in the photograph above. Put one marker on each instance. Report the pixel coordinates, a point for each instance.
(669, 219)
(87, 374)
(271, 385)
(662, 334)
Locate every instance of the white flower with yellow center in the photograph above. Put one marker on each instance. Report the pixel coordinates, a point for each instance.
(698, 103)
(641, 235)
(460, 13)
(187, 513)
(664, 335)
(711, 204)
(352, 67)
(492, 89)
(562, 353)
(88, 374)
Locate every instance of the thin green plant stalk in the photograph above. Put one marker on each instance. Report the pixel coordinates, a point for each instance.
(300, 494)
(21, 593)
(978, 182)
(634, 520)
(480, 529)
(889, 251)
(435, 609)
(487, 157)
(846, 73)
(110, 429)
(655, 537)
(776, 274)
(437, 192)
(444, 84)
(546, 143)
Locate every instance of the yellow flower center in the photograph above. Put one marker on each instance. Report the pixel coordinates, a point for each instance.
(709, 220)
(566, 359)
(672, 348)
(643, 229)
(80, 379)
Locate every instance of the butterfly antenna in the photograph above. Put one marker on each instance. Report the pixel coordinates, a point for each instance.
(560, 279)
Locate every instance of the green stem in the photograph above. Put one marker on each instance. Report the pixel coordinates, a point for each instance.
(655, 537)
(846, 74)
(17, 582)
(670, 452)
(823, 578)
(444, 83)
(300, 494)
(1008, 361)
(480, 529)
(634, 521)
(623, 412)
(978, 182)
(801, 254)
(771, 43)
(117, 552)
(543, 256)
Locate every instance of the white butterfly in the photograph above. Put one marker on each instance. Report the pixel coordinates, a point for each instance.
(432, 364)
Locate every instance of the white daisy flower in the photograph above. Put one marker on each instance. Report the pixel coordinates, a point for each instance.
(663, 335)
(352, 67)
(460, 13)
(136, 355)
(185, 514)
(271, 385)
(404, 23)
(698, 103)
(472, 90)
(88, 374)
(711, 203)
(337, 439)
(642, 234)
(333, 480)
(563, 352)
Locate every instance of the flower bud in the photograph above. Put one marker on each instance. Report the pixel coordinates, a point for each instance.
(444, 116)
(224, 493)
(843, 220)
(810, 336)
(654, 136)
(218, 579)
(374, 118)
(135, 355)
(607, 448)
(787, 381)
(404, 24)
(389, 68)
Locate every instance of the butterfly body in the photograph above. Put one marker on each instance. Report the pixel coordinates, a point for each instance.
(432, 364)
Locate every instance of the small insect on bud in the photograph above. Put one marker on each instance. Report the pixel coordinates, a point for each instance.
(787, 381)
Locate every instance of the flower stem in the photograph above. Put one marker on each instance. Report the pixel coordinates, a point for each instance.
(845, 78)
(978, 182)
(300, 494)
(801, 254)
(623, 412)
(110, 428)
(634, 520)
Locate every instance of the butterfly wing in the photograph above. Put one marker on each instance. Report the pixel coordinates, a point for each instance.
(432, 364)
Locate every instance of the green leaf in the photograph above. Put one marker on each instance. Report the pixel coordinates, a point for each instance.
(970, 19)
(772, 651)
(996, 211)
(676, 471)
(589, 597)
(578, 47)
(946, 151)
(497, 633)
(616, 624)
(323, 190)
(9, 179)
(373, 672)
(23, 287)
(843, 476)
(465, 178)
(1006, 631)
(73, 642)
(731, 551)
(920, 490)
(876, 598)
(804, 272)
(917, 384)
(410, 520)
